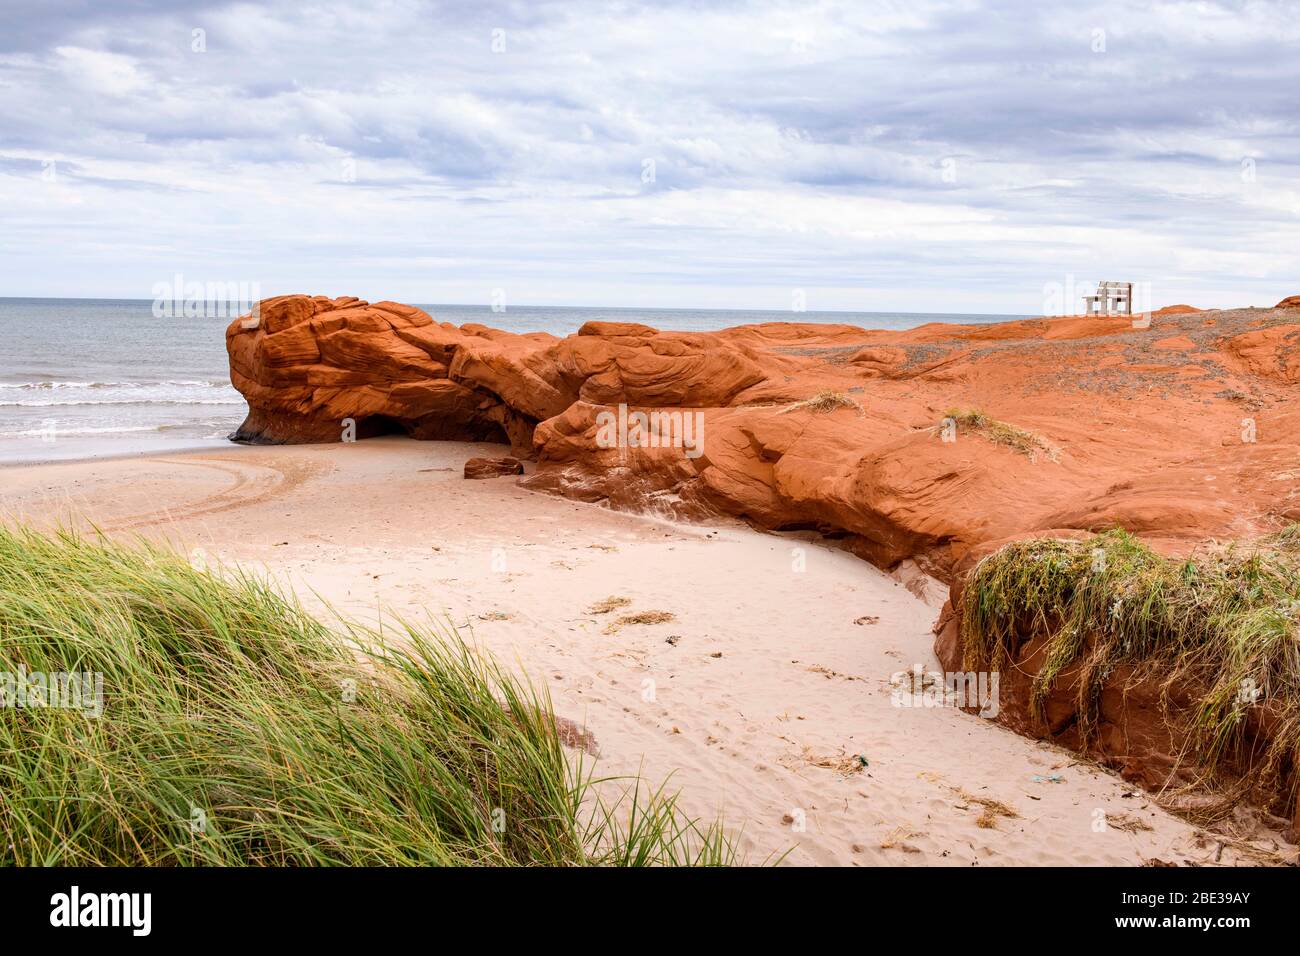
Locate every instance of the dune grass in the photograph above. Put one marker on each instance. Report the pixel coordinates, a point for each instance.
(827, 400)
(1002, 433)
(239, 730)
(1225, 625)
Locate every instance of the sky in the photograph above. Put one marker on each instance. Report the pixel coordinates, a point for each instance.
(946, 156)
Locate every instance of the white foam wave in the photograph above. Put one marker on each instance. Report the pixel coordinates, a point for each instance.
(57, 433)
(127, 401)
(166, 383)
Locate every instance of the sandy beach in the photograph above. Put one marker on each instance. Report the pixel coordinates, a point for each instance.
(765, 699)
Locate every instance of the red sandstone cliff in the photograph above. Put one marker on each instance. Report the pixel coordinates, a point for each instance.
(1146, 428)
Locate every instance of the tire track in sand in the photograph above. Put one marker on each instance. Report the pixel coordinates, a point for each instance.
(254, 483)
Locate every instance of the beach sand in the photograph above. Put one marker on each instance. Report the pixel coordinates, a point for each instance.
(766, 697)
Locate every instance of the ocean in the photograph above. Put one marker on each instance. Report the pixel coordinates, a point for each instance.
(83, 378)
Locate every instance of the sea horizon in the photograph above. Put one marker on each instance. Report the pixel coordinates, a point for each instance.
(505, 310)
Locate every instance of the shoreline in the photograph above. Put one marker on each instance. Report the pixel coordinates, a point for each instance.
(757, 709)
(183, 446)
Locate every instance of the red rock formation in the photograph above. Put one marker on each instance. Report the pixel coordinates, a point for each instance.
(476, 468)
(1179, 430)
(317, 369)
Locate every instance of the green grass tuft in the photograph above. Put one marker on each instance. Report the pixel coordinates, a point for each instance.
(1224, 625)
(230, 734)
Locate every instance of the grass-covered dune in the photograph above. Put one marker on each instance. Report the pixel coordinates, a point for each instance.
(238, 730)
(1178, 670)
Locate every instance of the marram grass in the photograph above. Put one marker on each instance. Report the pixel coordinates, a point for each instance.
(1225, 625)
(238, 730)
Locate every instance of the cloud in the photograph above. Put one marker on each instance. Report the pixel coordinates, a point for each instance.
(930, 154)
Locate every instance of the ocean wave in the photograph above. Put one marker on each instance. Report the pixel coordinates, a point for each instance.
(126, 401)
(164, 383)
(76, 432)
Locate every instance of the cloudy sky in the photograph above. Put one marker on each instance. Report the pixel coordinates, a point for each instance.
(914, 155)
